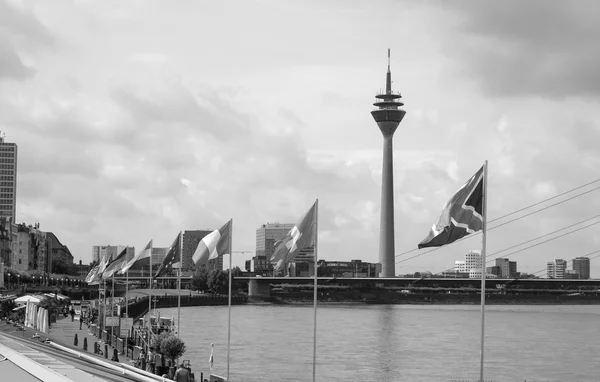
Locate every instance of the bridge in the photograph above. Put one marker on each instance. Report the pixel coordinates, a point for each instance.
(261, 286)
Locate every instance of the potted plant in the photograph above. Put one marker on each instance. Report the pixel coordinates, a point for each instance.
(172, 347)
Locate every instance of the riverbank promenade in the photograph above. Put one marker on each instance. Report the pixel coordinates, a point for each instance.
(31, 358)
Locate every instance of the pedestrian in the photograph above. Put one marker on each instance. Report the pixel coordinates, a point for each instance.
(72, 314)
(151, 362)
(182, 374)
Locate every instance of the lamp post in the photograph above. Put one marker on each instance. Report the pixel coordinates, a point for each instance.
(9, 280)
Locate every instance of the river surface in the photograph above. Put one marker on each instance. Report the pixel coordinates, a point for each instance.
(395, 342)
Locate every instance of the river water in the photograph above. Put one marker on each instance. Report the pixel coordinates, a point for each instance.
(395, 342)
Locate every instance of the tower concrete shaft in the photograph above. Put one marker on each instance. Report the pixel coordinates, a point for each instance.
(388, 116)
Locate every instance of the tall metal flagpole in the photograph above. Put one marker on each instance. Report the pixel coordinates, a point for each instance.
(316, 232)
(179, 283)
(483, 250)
(229, 294)
(112, 307)
(150, 300)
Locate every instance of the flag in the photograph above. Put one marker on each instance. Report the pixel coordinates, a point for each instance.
(213, 245)
(211, 359)
(462, 214)
(92, 274)
(298, 238)
(173, 256)
(116, 264)
(139, 260)
(98, 275)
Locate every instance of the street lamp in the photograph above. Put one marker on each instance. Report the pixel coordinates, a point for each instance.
(8, 279)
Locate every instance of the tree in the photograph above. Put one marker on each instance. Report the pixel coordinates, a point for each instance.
(59, 265)
(200, 280)
(218, 281)
(172, 347)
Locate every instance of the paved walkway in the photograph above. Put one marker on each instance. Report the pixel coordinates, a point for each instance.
(64, 330)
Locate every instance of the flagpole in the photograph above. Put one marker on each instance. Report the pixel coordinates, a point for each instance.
(112, 306)
(179, 284)
(229, 294)
(150, 299)
(483, 250)
(316, 231)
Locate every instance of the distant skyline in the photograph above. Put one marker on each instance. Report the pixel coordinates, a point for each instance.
(138, 119)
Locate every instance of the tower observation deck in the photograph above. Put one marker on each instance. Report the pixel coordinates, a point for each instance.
(388, 116)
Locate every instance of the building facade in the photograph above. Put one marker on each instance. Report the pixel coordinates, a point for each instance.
(353, 268)
(8, 179)
(266, 237)
(581, 265)
(57, 253)
(507, 268)
(556, 269)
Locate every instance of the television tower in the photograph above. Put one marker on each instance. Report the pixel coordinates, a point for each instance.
(388, 116)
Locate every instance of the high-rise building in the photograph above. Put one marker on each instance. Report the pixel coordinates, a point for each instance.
(556, 269)
(508, 269)
(473, 260)
(388, 116)
(101, 252)
(8, 179)
(266, 237)
(190, 243)
(581, 265)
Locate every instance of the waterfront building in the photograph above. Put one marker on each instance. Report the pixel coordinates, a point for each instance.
(581, 265)
(353, 268)
(460, 266)
(508, 269)
(476, 274)
(494, 270)
(58, 253)
(473, 260)
(30, 249)
(571, 274)
(388, 116)
(556, 269)
(8, 179)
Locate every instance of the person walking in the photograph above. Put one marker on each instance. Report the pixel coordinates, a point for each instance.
(72, 314)
(182, 374)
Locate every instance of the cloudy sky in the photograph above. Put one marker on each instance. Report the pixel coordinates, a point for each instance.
(137, 119)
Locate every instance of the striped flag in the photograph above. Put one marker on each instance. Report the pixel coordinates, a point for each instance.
(298, 238)
(461, 216)
(213, 245)
(116, 264)
(139, 260)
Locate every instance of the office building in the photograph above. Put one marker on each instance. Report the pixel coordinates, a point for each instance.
(556, 269)
(8, 179)
(581, 265)
(266, 237)
(507, 268)
(110, 252)
(353, 268)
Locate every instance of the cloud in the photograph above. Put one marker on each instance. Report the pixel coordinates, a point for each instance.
(534, 48)
(11, 66)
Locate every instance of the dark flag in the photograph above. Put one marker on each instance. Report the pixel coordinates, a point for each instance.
(173, 257)
(462, 214)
